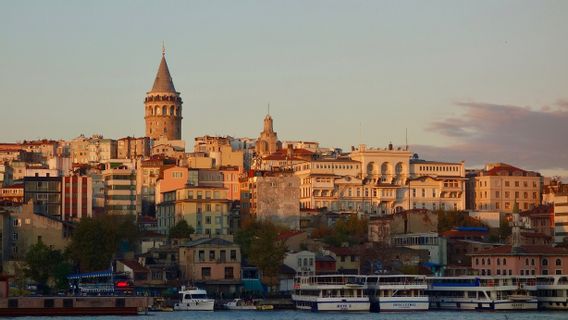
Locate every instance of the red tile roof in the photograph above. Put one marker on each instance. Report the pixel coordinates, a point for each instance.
(134, 265)
(508, 170)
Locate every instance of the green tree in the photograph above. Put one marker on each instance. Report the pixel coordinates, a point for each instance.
(260, 245)
(267, 253)
(96, 240)
(45, 264)
(181, 230)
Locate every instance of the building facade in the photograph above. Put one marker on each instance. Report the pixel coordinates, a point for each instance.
(119, 189)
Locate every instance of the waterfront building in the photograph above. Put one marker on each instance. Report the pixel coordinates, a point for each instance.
(213, 264)
(163, 111)
(499, 185)
(526, 260)
(303, 262)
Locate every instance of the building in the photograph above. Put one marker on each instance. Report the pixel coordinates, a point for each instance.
(561, 217)
(95, 149)
(163, 112)
(133, 148)
(13, 193)
(272, 196)
(45, 193)
(527, 260)
(231, 182)
(119, 188)
(303, 262)
(220, 150)
(77, 194)
(206, 209)
(267, 142)
(499, 185)
(213, 264)
(436, 246)
(437, 185)
(28, 227)
(347, 259)
(540, 219)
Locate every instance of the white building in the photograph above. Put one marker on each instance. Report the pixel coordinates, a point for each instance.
(302, 262)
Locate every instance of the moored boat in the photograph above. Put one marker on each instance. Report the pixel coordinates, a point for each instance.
(482, 293)
(330, 293)
(240, 304)
(388, 293)
(194, 299)
(552, 292)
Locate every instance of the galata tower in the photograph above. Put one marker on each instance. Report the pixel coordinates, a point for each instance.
(163, 106)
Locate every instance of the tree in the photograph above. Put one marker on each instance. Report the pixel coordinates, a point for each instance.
(267, 253)
(96, 240)
(181, 230)
(45, 264)
(450, 219)
(260, 245)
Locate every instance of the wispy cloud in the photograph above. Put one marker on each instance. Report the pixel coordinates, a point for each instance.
(485, 132)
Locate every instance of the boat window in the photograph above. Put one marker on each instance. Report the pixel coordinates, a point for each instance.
(187, 297)
(199, 296)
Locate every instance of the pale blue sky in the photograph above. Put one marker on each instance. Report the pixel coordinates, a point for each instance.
(71, 67)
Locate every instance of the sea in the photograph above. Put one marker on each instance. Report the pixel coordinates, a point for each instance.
(306, 315)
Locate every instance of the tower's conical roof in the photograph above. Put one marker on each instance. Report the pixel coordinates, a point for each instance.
(163, 82)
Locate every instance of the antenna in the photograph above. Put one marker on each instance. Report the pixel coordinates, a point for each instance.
(406, 137)
(269, 108)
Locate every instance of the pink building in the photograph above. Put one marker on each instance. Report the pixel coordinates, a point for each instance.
(527, 260)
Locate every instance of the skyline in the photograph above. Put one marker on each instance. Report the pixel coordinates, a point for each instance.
(501, 77)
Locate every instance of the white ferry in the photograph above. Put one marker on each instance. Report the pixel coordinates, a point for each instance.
(330, 293)
(552, 292)
(482, 293)
(194, 299)
(397, 293)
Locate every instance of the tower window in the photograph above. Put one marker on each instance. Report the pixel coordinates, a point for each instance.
(164, 110)
(171, 110)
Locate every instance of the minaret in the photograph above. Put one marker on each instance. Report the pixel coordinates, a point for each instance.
(163, 106)
(516, 229)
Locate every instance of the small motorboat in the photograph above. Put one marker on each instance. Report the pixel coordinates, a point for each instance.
(240, 304)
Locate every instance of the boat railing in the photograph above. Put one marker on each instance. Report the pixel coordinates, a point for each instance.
(398, 283)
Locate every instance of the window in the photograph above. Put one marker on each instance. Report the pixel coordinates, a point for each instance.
(205, 272)
(558, 262)
(229, 273)
(211, 254)
(201, 255)
(233, 255)
(544, 262)
(504, 261)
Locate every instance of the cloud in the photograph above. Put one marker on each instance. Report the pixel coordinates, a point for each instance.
(535, 139)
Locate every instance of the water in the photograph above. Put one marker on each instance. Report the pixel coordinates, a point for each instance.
(304, 315)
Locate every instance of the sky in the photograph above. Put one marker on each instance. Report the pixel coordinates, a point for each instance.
(480, 81)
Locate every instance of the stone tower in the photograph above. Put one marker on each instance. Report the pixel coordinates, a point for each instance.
(163, 106)
(268, 142)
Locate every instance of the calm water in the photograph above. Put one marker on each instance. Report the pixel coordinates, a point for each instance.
(301, 315)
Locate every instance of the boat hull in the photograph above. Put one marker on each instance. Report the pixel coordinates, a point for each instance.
(400, 304)
(508, 305)
(207, 305)
(332, 304)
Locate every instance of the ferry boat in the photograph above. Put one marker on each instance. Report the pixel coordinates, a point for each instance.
(194, 299)
(552, 292)
(482, 293)
(397, 293)
(330, 293)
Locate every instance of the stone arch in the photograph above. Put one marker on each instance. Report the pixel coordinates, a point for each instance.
(400, 168)
(156, 110)
(164, 110)
(371, 168)
(172, 110)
